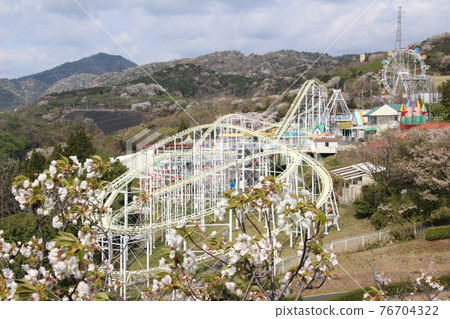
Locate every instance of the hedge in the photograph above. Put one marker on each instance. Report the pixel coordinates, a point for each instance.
(437, 232)
(445, 280)
(358, 294)
(354, 295)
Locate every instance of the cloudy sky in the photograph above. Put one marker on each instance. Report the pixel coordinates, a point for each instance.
(36, 35)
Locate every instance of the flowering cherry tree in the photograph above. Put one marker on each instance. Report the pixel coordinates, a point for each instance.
(427, 286)
(66, 267)
(246, 268)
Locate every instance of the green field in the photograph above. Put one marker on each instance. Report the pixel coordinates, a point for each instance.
(439, 79)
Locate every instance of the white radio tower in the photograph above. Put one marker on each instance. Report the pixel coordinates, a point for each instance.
(398, 38)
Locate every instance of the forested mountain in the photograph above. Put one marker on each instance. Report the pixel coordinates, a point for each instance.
(16, 92)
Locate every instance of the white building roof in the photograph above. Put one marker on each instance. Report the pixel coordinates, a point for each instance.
(357, 170)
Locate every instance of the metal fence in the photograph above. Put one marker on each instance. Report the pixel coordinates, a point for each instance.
(286, 263)
(364, 241)
(358, 242)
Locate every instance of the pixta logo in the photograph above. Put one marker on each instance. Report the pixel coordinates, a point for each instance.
(140, 140)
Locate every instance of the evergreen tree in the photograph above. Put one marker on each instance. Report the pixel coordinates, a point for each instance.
(8, 171)
(11, 146)
(442, 110)
(183, 126)
(117, 169)
(79, 144)
(445, 92)
(57, 153)
(36, 164)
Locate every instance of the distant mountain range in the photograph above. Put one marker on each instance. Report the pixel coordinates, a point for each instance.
(104, 70)
(273, 64)
(101, 70)
(70, 75)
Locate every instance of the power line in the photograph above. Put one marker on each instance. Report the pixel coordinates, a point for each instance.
(132, 58)
(326, 50)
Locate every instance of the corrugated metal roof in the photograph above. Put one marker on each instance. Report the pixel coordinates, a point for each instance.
(357, 170)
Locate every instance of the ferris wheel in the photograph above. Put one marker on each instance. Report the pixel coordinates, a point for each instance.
(404, 72)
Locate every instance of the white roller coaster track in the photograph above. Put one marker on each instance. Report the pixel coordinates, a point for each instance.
(301, 108)
(240, 146)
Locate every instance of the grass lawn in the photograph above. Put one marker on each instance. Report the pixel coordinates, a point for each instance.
(439, 79)
(350, 225)
(398, 261)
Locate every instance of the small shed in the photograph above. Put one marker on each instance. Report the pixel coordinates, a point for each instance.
(356, 176)
(325, 145)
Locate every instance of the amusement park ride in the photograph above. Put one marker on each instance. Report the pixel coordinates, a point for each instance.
(404, 77)
(404, 71)
(185, 175)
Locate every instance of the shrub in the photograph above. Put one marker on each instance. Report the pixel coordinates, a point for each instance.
(353, 295)
(405, 234)
(333, 162)
(437, 232)
(22, 227)
(399, 288)
(379, 220)
(371, 198)
(445, 280)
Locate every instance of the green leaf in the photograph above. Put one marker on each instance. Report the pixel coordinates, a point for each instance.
(162, 274)
(24, 289)
(66, 240)
(321, 217)
(97, 158)
(63, 243)
(80, 254)
(101, 296)
(316, 248)
(64, 160)
(18, 181)
(259, 193)
(270, 178)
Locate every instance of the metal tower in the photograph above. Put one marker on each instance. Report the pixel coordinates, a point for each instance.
(398, 37)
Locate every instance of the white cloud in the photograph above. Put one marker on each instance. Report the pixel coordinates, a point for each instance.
(160, 30)
(32, 59)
